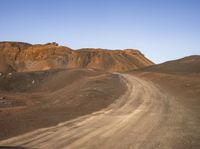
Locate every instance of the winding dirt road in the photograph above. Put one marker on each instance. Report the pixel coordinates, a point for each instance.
(145, 117)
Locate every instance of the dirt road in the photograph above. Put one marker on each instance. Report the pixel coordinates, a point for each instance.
(145, 117)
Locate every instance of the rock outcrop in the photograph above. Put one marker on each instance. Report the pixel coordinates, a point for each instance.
(24, 57)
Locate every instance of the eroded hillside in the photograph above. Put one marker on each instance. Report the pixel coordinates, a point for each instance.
(24, 57)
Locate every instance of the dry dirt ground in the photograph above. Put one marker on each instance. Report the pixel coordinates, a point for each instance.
(185, 87)
(34, 100)
(147, 116)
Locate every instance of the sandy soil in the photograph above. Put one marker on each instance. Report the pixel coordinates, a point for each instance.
(185, 87)
(144, 117)
(55, 96)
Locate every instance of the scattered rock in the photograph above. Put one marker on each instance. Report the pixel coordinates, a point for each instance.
(33, 82)
(2, 98)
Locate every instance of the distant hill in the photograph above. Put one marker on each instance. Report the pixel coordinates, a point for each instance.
(24, 57)
(190, 64)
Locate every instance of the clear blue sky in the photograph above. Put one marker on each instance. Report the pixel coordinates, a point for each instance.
(161, 29)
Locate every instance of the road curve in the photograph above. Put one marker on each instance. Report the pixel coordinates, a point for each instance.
(145, 117)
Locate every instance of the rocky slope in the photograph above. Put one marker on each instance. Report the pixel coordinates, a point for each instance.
(24, 57)
(180, 78)
(189, 64)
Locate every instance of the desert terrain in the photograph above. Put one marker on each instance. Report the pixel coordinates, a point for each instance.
(54, 97)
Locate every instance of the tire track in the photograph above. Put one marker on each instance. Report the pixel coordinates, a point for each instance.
(144, 117)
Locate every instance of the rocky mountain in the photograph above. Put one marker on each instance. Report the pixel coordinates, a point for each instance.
(24, 57)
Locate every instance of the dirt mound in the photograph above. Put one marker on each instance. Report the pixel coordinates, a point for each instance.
(33, 100)
(24, 81)
(24, 57)
(180, 78)
(190, 64)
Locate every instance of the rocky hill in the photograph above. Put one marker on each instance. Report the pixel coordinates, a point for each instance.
(189, 64)
(24, 57)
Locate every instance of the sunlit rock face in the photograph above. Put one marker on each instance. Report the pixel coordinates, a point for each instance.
(24, 57)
